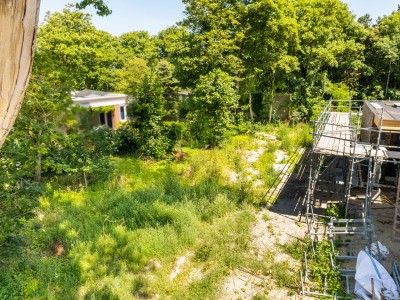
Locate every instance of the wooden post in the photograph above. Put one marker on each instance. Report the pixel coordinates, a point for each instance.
(372, 289)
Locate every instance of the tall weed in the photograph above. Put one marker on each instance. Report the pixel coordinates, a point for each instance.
(102, 242)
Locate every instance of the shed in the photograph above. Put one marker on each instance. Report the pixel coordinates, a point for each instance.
(112, 117)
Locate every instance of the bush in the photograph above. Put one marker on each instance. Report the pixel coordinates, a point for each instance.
(156, 146)
(83, 158)
(17, 207)
(127, 140)
(174, 132)
(103, 139)
(321, 267)
(154, 138)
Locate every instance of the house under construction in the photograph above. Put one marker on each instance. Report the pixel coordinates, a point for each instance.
(356, 150)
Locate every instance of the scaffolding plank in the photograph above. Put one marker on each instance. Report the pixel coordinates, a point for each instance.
(336, 138)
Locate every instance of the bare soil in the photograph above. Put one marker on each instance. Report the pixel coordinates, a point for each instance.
(275, 227)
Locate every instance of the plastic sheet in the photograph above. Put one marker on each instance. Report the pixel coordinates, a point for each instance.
(369, 272)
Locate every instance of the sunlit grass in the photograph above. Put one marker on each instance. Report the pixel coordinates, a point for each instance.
(122, 239)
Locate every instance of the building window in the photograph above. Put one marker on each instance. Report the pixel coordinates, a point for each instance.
(102, 118)
(122, 113)
(106, 119)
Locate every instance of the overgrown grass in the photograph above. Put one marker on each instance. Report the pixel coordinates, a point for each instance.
(292, 138)
(123, 238)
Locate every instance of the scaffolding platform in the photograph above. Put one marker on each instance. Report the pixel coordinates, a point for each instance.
(336, 137)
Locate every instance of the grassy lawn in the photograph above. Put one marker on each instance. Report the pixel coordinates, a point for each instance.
(167, 229)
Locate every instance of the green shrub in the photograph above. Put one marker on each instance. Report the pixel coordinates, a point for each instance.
(321, 268)
(140, 287)
(17, 207)
(335, 211)
(303, 135)
(174, 131)
(127, 140)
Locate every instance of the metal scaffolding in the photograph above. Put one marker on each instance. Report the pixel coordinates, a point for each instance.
(336, 140)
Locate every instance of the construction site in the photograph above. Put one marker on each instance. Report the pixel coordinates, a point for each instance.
(354, 164)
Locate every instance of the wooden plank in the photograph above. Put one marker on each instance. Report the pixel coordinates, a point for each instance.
(393, 154)
(336, 139)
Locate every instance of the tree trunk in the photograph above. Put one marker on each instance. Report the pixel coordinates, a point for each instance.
(388, 79)
(18, 26)
(251, 107)
(272, 98)
(38, 170)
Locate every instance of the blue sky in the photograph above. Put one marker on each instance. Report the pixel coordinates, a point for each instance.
(375, 8)
(128, 15)
(156, 15)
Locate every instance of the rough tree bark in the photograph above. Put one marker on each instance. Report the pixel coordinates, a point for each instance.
(18, 27)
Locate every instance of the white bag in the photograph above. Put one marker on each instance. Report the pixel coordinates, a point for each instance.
(369, 268)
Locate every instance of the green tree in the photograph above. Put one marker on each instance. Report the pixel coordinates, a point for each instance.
(269, 48)
(365, 20)
(388, 51)
(146, 114)
(101, 8)
(214, 103)
(132, 75)
(330, 49)
(18, 31)
(138, 44)
(170, 87)
(215, 38)
(71, 51)
(174, 44)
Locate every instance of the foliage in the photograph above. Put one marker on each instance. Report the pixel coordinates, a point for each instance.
(73, 53)
(335, 211)
(294, 137)
(146, 211)
(330, 48)
(132, 76)
(126, 140)
(138, 44)
(146, 114)
(101, 8)
(19, 198)
(169, 85)
(384, 54)
(214, 103)
(214, 39)
(269, 53)
(319, 264)
(339, 91)
(114, 233)
(321, 268)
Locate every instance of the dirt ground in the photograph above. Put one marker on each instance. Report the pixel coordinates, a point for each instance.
(276, 226)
